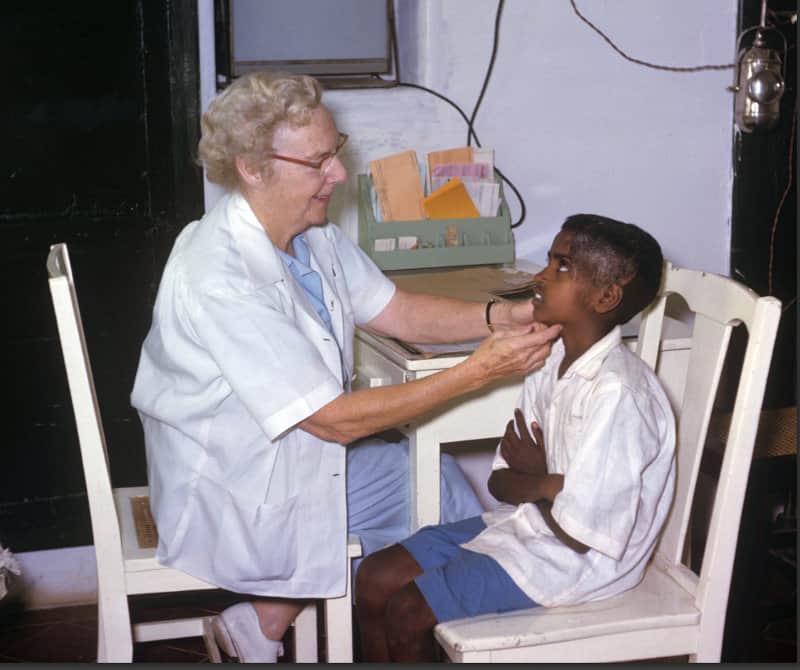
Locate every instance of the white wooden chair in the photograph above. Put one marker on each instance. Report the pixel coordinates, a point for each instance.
(123, 567)
(673, 611)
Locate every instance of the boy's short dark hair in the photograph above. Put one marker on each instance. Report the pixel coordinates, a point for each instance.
(607, 251)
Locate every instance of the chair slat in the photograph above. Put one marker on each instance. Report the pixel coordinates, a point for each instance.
(706, 360)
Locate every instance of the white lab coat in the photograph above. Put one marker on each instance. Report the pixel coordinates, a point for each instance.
(236, 356)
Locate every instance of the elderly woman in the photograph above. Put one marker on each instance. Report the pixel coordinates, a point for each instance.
(243, 385)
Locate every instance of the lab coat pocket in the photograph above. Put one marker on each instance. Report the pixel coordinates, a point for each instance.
(255, 542)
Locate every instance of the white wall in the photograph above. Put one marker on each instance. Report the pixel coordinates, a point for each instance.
(575, 126)
(55, 578)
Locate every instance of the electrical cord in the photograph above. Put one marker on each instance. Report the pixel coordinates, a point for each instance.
(495, 40)
(500, 174)
(393, 38)
(469, 121)
(788, 188)
(790, 175)
(773, 17)
(471, 134)
(697, 68)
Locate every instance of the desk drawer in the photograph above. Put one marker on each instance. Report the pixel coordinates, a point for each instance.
(373, 369)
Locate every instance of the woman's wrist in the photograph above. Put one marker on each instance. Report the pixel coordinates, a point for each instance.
(519, 313)
(497, 313)
(503, 311)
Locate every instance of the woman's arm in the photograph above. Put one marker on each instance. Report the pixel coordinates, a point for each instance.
(422, 318)
(513, 351)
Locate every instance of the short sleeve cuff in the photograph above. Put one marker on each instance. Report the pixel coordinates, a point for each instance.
(602, 543)
(383, 291)
(290, 415)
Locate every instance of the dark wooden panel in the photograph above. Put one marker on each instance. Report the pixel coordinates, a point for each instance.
(74, 109)
(762, 172)
(101, 121)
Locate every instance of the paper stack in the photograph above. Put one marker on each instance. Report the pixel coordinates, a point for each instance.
(474, 167)
(398, 187)
(399, 192)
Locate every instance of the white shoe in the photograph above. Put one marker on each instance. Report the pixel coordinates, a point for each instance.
(238, 634)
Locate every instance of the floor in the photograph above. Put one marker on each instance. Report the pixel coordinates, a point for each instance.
(69, 634)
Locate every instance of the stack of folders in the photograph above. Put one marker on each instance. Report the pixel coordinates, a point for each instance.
(474, 168)
(459, 184)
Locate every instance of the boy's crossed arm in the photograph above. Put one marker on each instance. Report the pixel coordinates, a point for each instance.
(527, 479)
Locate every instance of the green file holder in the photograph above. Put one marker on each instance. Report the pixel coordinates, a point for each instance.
(482, 240)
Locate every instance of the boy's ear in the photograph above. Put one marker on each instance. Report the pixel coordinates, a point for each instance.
(608, 298)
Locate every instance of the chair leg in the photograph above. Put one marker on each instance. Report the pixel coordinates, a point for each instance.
(114, 636)
(339, 624)
(305, 635)
(102, 653)
(210, 641)
(339, 629)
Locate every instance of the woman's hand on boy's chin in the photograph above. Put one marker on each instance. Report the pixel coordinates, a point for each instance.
(509, 351)
(543, 325)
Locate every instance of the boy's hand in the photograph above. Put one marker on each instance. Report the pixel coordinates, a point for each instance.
(524, 452)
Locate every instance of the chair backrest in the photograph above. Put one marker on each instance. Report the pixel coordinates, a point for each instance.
(718, 305)
(105, 523)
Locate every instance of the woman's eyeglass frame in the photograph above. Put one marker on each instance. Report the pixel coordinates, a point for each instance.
(317, 164)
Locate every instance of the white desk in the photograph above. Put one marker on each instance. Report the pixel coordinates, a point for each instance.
(480, 415)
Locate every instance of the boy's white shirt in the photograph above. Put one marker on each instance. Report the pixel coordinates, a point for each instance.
(609, 428)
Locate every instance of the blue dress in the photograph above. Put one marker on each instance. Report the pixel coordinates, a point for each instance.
(378, 501)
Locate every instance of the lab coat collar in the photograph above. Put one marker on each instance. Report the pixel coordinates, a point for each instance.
(264, 266)
(261, 259)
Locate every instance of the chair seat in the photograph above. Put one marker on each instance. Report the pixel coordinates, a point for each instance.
(658, 603)
(141, 566)
(143, 573)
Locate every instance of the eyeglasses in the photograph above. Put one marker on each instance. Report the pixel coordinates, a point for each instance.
(323, 164)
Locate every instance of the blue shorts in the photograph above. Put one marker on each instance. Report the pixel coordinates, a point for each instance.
(458, 583)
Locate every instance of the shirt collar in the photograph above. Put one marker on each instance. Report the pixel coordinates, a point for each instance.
(261, 257)
(301, 260)
(588, 364)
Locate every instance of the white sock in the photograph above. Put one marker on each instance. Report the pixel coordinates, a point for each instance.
(270, 647)
(239, 634)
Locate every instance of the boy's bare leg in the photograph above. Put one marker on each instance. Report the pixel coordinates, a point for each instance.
(409, 626)
(380, 576)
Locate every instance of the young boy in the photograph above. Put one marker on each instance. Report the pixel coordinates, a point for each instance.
(585, 492)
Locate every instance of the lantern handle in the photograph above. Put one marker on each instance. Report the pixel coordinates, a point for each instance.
(763, 29)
